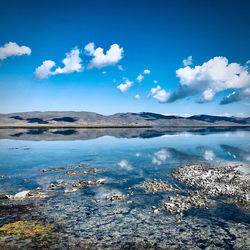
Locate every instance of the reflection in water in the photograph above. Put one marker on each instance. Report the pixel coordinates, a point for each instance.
(238, 154)
(209, 155)
(160, 156)
(86, 134)
(86, 215)
(124, 165)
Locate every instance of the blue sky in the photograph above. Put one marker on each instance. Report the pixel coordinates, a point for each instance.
(156, 35)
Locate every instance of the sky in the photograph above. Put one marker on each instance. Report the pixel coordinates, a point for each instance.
(109, 56)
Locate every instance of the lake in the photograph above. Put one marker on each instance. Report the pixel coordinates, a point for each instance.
(123, 158)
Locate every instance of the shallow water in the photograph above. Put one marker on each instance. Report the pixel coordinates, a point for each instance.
(86, 216)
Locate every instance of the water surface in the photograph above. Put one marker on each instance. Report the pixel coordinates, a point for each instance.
(130, 158)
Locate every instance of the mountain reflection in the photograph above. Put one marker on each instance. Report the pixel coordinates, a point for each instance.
(87, 134)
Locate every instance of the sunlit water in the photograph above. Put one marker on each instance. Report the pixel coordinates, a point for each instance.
(130, 162)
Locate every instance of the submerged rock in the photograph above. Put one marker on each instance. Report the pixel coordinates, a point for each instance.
(66, 168)
(21, 195)
(180, 203)
(222, 181)
(70, 190)
(157, 186)
(115, 196)
(90, 171)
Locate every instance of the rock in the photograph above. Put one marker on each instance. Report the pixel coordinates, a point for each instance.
(156, 211)
(222, 181)
(5, 196)
(21, 195)
(156, 186)
(52, 187)
(65, 168)
(115, 196)
(70, 190)
(179, 203)
(100, 181)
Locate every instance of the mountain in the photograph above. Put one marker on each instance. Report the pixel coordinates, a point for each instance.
(70, 118)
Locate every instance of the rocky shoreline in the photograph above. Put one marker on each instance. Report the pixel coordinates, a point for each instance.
(224, 181)
(209, 182)
(201, 187)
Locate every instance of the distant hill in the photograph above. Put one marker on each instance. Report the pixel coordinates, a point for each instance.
(70, 118)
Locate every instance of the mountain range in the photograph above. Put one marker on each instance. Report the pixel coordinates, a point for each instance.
(71, 118)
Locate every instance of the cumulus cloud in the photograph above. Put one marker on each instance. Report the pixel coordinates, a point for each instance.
(140, 78)
(137, 96)
(121, 68)
(155, 81)
(154, 90)
(159, 94)
(187, 61)
(123, 87)
(162, 96)
(44, 71)
(207, 95)
(100, 60)
(13, 49)
(212, 77)
(72, 63)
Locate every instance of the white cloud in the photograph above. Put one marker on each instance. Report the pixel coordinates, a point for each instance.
(187, 61)
(159, 94)
(13, 49)
(121, 68)
(240, 114)
(123, 87)
(140, 78)
(90, 49)
(100, 60)
(174, 114)
(154, 90)
(155, 81)
(125, 165)
(104, 72)
(162, 96)
(225, 114)
(72, 63)
(208, 95)
(248, 62)
(212, 77)
(44, 71)
(137, 96)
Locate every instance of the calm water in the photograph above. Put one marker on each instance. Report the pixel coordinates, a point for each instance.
(129, 162)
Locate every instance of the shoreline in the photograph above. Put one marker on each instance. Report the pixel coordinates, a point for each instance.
(117, 126)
